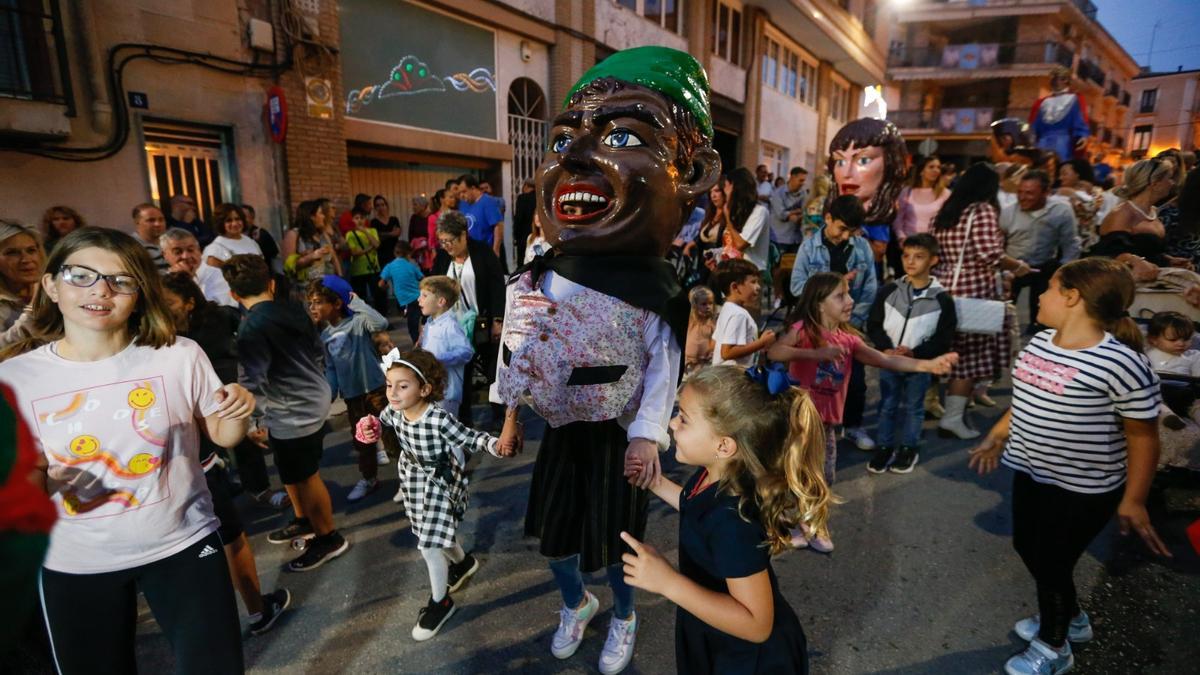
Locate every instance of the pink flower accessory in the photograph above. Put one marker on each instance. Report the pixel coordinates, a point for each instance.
(367, 427)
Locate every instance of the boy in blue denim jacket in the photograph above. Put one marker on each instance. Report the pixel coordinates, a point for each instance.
(840, 247)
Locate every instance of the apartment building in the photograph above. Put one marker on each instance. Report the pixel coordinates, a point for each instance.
(1165, 112)
(958, 65)
(113, 102)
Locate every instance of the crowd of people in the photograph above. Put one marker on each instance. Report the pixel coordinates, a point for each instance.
(207, 345)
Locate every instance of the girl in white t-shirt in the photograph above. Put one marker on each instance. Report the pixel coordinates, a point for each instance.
(117, 402)
(229, 222)
(1082, 439)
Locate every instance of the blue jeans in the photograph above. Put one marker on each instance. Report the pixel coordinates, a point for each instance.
(570, 584)
(901, 402)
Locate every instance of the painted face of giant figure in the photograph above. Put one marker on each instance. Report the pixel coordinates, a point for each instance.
(629, 156)
(868, 159)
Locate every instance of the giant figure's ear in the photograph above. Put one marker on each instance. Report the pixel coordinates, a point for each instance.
(706, 170)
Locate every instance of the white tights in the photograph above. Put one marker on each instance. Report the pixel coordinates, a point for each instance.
(438, 561)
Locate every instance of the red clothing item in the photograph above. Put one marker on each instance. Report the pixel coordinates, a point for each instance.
(24, 507)
(345, 222)
(825, 381)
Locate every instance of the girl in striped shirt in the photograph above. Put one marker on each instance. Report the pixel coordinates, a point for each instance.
(1082, 439)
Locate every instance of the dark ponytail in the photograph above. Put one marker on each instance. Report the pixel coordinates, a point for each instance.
(1107, 289)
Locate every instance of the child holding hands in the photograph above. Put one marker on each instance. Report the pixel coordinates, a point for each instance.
(433, 476)
(758, 449)
(821, 345)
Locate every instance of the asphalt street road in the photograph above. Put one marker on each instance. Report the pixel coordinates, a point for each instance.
(923, 580)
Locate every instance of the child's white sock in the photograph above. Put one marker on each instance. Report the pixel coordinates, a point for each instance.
(439, 572)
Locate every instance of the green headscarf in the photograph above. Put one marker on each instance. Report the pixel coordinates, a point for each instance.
(668, 71)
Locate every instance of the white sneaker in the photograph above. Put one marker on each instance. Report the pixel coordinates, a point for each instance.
(361, 489)
(1080, 629)
(618, 648)
(571, 623)
(381, 458)
(860, 438)
(399, 498)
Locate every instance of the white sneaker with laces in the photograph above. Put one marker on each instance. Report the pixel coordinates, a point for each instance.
(381, 458)
(1080, 629)
(1041, 659)
(361, 489)
(860, 438)
(618, 648)
(571, 624)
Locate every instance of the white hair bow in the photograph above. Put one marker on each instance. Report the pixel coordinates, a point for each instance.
(393, 359)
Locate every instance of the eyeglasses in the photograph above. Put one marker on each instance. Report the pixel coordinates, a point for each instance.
(86, 277)
(447, 242)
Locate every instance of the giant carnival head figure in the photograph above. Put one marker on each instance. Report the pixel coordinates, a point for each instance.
(1060, 78)
(868, 159)
(1012, 141)
(628, 156)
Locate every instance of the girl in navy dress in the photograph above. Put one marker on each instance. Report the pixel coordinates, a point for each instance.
(759, 450)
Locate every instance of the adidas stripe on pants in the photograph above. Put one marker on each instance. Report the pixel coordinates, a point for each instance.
(91, 618)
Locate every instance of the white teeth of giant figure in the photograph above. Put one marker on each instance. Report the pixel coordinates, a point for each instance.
(577, 203)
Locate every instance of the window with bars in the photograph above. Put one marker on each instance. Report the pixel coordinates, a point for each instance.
(665, 13)
(727, 32)
(33, 57)
(787, 71)
(187, 159)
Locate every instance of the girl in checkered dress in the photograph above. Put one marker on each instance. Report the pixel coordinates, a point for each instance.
(433, 479)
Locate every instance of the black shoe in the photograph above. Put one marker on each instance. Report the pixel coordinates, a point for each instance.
(879, 460)
(320, 551)
(273, 606)
(461, 571)
(906, 459)
(297, 529)
(431, 617)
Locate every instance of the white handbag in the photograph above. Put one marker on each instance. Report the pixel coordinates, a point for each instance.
(975, 315)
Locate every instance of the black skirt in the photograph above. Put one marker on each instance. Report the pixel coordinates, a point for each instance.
(579, 499)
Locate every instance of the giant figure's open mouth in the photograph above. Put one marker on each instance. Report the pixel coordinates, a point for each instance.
(580, 202)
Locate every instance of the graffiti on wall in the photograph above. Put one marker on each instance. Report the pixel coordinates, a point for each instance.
(413, 76)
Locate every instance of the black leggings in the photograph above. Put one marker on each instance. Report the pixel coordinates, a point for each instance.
(1051, 529)
(93, 617)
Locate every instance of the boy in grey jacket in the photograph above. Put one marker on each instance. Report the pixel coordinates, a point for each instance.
(911, 316)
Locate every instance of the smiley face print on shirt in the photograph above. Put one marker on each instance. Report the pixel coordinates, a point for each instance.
(105, 446)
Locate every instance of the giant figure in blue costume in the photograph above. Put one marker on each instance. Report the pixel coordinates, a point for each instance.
(1060, 120)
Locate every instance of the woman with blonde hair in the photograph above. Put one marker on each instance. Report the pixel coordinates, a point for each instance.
(21, 260)
(1132, 232)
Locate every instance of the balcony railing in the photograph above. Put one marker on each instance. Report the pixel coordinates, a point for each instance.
(1088, 70)
(954, 120)
(33, 57)
(1085, 6)
(980, 55)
